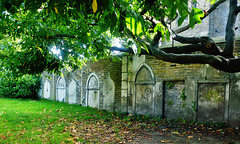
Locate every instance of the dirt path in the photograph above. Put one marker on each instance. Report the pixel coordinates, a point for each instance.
(146, 130)
(185, 133)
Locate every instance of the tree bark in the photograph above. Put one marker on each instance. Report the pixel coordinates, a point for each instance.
(230, 30)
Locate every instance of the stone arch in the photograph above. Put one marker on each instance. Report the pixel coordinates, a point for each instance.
(47, 90)
(144, 87)
(108, 93)
(61, 89)
(92, 91)
(72, 92)
(141, 77)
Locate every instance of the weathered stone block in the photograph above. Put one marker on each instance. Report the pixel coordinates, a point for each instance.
(124, 85)
(174, 100)
(124, 93)
(124, 68)
(211, 101)
(124, 76)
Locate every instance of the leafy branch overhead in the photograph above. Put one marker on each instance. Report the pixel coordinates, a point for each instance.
(83, 30)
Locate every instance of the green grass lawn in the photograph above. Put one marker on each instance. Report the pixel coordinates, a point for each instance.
(44, 121)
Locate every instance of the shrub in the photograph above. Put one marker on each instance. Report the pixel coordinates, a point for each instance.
(25, 86)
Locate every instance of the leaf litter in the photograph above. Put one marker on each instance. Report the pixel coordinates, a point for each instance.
(132, 129)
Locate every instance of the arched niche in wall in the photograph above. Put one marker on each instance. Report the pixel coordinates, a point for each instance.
(109, 93)
(72, 92)
(144, 85)
(46, 88)
(61, 89)
(92, 91)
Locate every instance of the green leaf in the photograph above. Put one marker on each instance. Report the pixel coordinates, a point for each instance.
(191, 22)
(173, 11)
(167, 35)
(198, 13)
(158, 27)
(212, 1)
(134, 26)
(139, 49)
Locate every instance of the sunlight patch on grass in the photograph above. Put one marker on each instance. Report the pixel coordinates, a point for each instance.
(27, 121)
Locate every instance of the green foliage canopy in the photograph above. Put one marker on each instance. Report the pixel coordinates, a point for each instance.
(82, 30)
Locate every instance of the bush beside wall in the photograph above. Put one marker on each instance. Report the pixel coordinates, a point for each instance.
(25, 86)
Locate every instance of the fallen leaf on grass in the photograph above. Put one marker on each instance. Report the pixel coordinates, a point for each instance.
(177, 133)
(76, 142)
(188, 132)
(165, 141)
(69, 139)
(190, 137)
(181, 135)
(74, 131)
(3, 137)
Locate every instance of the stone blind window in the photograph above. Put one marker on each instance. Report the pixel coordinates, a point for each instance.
(144, 91)
(72, 92)
(61, 89)
(93, 91)
(46, 89)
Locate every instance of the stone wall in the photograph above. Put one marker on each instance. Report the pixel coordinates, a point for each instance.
(190, 91)
(98, 84)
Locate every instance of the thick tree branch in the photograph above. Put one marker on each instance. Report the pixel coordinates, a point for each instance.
(208, 46)
(218, 62)
(182, 49)
(237, 10)
(213, 7)
(127, 50)
(230, 30)
(156, 39)
(188, 40)
(184, 58)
